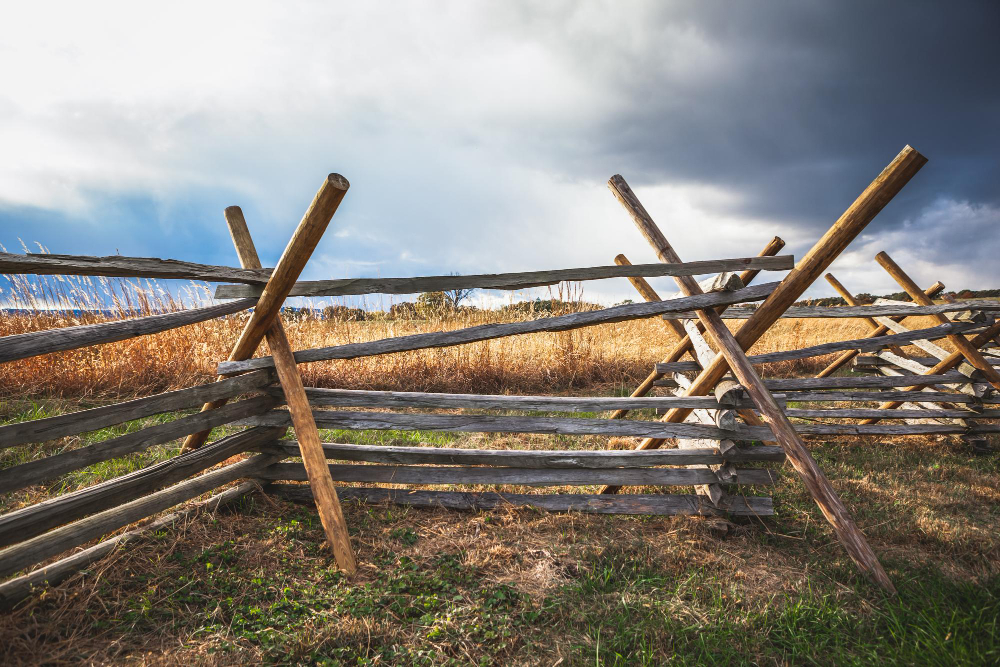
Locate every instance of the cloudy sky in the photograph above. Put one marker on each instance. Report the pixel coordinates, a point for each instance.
(478, 136)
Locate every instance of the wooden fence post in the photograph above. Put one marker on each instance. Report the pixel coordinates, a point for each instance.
(684, 346)
(837, 238)
(292, 261)
(968, 350)
(320, 481)
(815, 481)
(877, 329)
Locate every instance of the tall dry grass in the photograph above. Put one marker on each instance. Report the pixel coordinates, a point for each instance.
(612, 356)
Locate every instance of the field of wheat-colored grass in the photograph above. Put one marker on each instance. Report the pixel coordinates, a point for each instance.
(615, 356)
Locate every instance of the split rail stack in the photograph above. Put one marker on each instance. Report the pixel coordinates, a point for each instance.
(732, 428)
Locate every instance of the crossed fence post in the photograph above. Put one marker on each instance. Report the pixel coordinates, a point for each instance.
(265, 323)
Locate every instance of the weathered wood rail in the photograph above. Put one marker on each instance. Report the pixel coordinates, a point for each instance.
(510, 281)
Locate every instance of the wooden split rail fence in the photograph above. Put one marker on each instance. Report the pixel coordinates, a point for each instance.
(732, 428)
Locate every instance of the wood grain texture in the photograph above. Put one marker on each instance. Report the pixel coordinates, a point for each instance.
(33, 520)
(732, 351)
(360, 398)
(293, 260)
(683, 346)
(510, 281)
(860, 312)
(118, 266)
(422, 474)
(308, 234)
(648, 504)
(73, 423)
(513, 458)
(943, 366)
(489, 331)
(37, 549)
(16, 590)
(886, 395)
(877, 330)
(866, 344)
(35, 343)
(797, 384)
(50, 467)
(962, 344)
(508, 424)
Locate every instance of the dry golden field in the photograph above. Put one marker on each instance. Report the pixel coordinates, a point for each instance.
(608, 356)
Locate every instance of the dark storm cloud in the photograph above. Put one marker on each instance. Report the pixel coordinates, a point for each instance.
(802, 104)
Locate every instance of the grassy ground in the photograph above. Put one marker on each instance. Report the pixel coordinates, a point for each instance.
(525, 587)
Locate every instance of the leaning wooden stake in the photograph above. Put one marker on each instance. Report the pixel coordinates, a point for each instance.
(815, 481)
(961, 343)
(876, 328)
(310, 445)
(297, 252)
(837, 238)
(684, 346)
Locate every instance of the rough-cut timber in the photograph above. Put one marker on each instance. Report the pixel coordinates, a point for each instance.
(423, 474)
(33, 520)
(852, 312)
(962, 344)
(40, 470)
(290, 265)
(510, 281)
(360, 398)
(683, 346)
(15, 590)
(22, 346)
(877, 330)
(135, 267)
(513, 458)
(54, 542)
(902, 396)
(731, 351)
(944, 366)
(794, 384)
(563, 502)
(867, 344)
(327, 504)
(359, 421)
(60, 426)
(632, 311)
(862, 413)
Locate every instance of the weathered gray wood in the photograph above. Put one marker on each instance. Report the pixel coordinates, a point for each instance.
(15, 590)
(412, 399)
(872, 361)
(510, 281)
(794, 384)
(865, 413)
(646, 504)
(35, 550)
(509, 424)
(513, 458)
(572, 426)
(858, 311)
(926, 345)
(137, 267)
(60, 426)
(33, 520)
(38, 471)
(632, 311)
(391, 474)
(875, 396)
(864, 344)
(35, 343)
